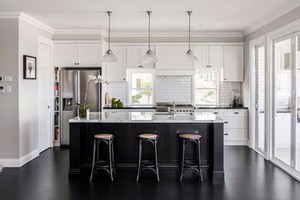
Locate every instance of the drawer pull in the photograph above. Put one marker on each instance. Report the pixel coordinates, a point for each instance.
(225, 122)
(216, 113)
(236, 113)
(226, 134)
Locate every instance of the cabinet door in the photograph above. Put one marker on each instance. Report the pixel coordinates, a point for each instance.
(89, 55)
(65, 55)
(115, 71)
(233, 63)
(215, 57)
(170, 57)
(202, 54)
(135, 56)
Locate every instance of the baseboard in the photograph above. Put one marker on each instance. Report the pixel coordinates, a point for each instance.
(20, 162)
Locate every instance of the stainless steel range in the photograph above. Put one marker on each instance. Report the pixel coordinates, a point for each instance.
(177, 107)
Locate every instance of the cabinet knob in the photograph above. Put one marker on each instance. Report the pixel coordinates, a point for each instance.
(225, 122)
(208, 66)
(140, 66)
(225, 79)
(216, 113)
(226, 134)
(236, 113)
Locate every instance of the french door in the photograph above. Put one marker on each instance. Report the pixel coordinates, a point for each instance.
(286, 101)
(260, 97)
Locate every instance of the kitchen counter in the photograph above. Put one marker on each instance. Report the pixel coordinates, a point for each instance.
(148, 117)
(154, 107)
(126, 126)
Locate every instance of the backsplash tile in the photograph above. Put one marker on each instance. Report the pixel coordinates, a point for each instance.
(226, 89)
(173, 88)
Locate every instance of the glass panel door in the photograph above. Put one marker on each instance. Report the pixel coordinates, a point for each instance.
(260, 97)
(282, 100)
(297, 101)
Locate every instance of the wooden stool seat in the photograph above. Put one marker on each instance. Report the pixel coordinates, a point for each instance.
(147, 136)
(190, 136)
(103, 136)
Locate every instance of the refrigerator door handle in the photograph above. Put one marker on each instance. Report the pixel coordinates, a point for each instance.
(75, 91)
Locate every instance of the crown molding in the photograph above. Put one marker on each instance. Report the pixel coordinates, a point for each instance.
(273, 17)
(27, 18)
(104, 33)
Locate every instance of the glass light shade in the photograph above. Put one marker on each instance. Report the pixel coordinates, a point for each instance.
(189, 57)
(109, 57)
(149, 57)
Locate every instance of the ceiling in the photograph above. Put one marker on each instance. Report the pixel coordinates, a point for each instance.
(167, 15)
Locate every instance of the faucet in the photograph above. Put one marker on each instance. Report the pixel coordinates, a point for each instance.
(174, 113)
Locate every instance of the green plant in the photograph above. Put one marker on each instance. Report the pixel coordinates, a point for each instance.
(83, 108)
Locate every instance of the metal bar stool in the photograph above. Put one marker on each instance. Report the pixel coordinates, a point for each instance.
(107, 165)
(147, 164)
(190, 164)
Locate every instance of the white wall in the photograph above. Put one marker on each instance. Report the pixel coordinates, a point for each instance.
(9, 107)
(19, 111)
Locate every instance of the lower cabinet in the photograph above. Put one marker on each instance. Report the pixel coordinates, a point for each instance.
(235, 125)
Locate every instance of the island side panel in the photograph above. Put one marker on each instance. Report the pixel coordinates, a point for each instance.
(218, 151)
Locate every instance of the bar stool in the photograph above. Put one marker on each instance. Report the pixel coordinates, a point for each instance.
(190, 164)
(107, 165)
(147, 164)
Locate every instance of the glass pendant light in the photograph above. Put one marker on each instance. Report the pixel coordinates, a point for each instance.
(189, 55)
(149, 57)
(109, 56)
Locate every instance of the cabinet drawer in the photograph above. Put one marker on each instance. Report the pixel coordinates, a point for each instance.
(219, 113)
(236, 113)
(235, 122)
(235, 134)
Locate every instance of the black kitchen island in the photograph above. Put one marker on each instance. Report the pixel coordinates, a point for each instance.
(127, 125)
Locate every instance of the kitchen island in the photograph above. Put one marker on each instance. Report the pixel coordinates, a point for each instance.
(127, 125)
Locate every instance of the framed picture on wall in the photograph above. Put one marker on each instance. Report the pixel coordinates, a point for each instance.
(29, 65)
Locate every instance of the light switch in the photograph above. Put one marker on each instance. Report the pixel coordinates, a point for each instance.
(8, 78)
(8, 88)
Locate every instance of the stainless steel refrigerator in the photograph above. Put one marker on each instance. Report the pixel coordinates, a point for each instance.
(72, 87)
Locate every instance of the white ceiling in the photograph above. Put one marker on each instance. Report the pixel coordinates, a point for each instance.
(167, 15)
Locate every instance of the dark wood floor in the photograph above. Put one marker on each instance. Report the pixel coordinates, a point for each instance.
(247, 176)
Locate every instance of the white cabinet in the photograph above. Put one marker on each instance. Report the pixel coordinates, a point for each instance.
(170, 58)
(233, 63)
(115, 71)
(209, 57)
(77, 55)
(235, 125)
(135, 56)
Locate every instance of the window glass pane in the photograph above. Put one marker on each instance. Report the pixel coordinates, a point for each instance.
(206, 96)
(141, 88)
(206, 89)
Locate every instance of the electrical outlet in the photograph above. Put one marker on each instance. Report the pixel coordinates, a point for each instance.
(8, 88)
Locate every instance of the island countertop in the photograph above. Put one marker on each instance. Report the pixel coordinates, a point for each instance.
(147, 117)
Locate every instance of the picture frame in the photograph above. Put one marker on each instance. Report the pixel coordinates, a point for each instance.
(29, 67)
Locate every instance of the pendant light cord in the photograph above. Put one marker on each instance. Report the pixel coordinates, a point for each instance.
(189, 13)
(149, 13)
(109, 12)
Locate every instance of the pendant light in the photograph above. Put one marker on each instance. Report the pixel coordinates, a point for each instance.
(189, 55)
(109, 56)
(149, 57)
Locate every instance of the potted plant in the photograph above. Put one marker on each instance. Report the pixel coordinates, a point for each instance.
(82, 108)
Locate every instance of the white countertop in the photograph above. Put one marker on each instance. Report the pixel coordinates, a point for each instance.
(147, 117)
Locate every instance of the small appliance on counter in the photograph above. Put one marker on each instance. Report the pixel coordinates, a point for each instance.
(236, 99)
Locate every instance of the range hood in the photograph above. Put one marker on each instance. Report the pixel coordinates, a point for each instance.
(177, 72)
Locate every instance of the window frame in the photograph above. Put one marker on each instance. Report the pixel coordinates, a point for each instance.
(217, 75)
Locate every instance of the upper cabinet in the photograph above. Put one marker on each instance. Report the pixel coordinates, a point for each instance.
(209, 57)
(135, 56)
(77, 55)
(170, 58)
(115, 71)
(233, 63)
